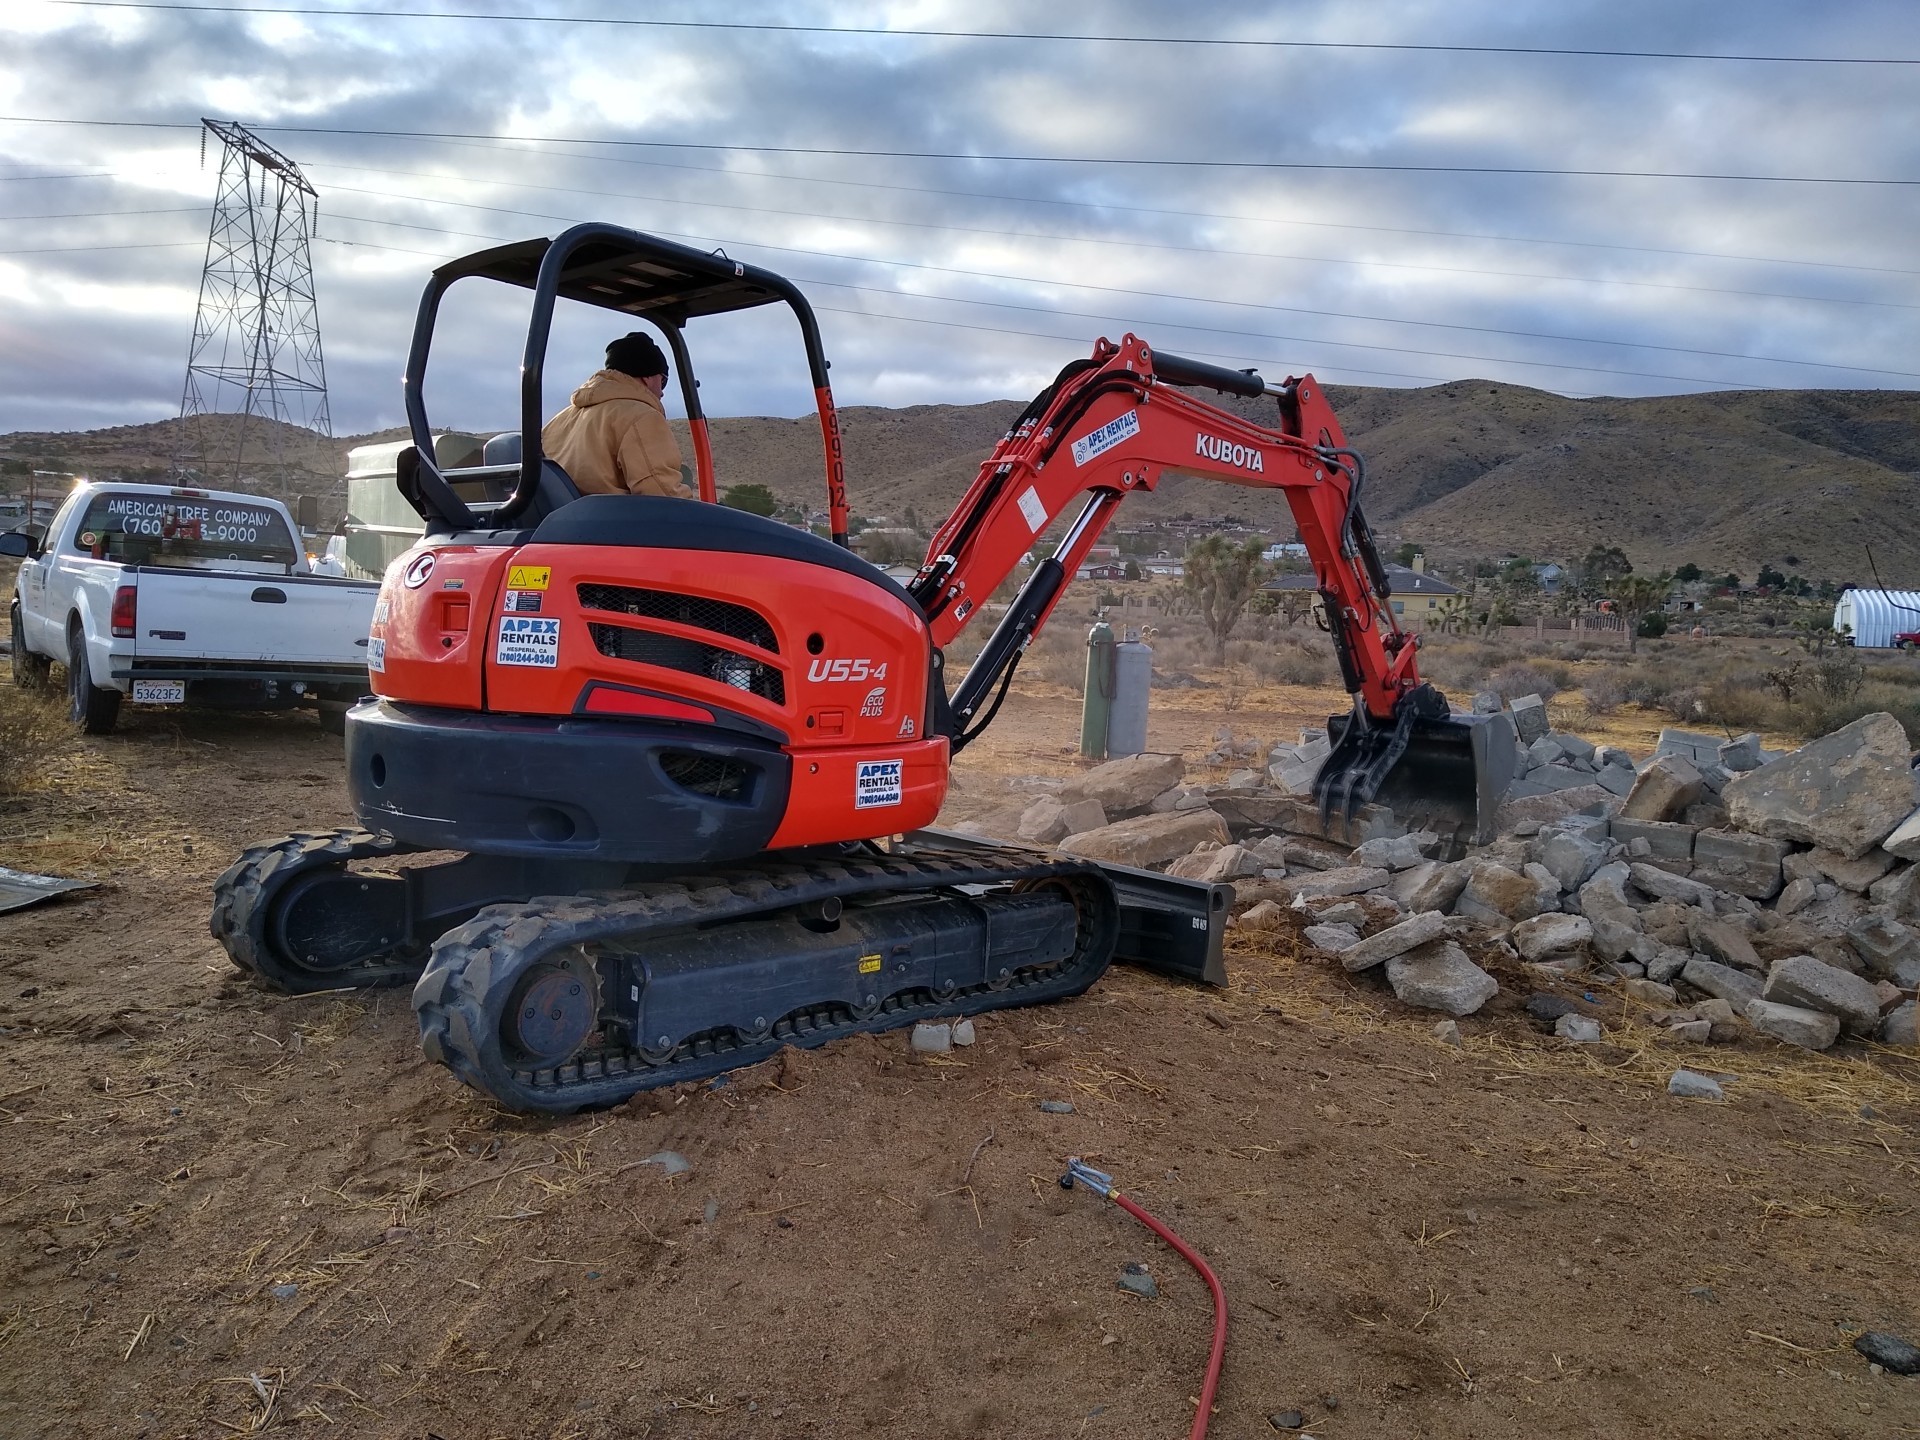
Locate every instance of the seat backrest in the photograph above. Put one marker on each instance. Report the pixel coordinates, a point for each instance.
(556, 487)
(502, 449)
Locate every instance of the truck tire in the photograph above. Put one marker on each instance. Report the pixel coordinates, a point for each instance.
(94, 710)
(30, 671)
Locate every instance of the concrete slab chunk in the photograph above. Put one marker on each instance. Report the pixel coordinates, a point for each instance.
(1809, 1029)
(1668, 785)
(1846, 791)
(1804, 981)
(1736, 987)
(1440, 976)
(1394, 940)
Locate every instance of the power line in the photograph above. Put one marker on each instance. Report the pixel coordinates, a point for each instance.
(1190, 41)
(1156, 294)
(1425, 267)
(1115, 319)
(89, 249)
(972, 157)
(1098, 205)
(104, 214)
(984, 329)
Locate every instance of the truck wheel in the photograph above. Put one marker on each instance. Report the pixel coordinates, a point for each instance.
(30, 671)
(94, 710)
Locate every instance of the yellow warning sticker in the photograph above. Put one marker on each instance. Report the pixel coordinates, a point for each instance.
(869, 964)
(528, 577)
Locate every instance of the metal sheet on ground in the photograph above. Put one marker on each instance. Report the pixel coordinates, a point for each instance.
(18, 889)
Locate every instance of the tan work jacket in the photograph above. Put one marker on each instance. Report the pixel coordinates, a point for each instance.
(613, 439)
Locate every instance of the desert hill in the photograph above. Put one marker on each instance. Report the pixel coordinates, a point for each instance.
(1805, 480)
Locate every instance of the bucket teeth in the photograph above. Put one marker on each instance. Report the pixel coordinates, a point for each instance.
(1362, 760)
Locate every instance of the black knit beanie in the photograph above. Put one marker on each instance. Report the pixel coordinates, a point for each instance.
(636, 355)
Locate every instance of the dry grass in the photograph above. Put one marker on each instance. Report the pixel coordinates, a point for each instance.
(33, 731)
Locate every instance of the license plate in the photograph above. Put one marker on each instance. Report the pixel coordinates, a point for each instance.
(159, 692)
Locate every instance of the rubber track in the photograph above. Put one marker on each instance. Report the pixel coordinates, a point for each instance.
(243, 899)
(461, 998)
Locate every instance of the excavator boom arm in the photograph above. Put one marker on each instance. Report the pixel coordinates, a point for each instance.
(1112, 426)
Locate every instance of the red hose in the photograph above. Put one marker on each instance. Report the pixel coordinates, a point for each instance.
(1192, 1257)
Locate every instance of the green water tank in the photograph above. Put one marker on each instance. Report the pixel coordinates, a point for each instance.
(1097, 704)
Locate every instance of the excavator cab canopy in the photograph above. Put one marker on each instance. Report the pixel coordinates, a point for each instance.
(613, 268)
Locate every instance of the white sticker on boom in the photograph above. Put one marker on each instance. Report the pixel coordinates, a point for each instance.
(1098, 442)
(527, 640)
(877, 782)
(1031, 507)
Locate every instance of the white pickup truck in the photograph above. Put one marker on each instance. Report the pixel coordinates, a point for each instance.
(184, 597)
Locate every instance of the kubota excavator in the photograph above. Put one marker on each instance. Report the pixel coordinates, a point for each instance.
(688, 756)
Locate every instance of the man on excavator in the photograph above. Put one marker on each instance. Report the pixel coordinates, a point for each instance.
(612, 438)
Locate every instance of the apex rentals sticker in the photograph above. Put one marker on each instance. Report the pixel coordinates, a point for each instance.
(877, 782)
(527, 640)
(1098, 442)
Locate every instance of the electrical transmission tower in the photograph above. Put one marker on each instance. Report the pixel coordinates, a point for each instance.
(256, 333)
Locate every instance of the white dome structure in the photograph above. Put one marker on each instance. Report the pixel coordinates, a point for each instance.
(1874, 617)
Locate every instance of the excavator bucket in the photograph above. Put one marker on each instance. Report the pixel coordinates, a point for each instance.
(1446, 773)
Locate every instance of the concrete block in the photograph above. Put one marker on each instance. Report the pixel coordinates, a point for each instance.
(1665, 788)
(1809, 1029)
(1736, 861)
(1529, 718)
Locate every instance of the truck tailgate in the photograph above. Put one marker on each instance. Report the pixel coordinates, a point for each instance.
(278, 619)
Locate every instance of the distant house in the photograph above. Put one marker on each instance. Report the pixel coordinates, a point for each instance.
(1551, 577)
(1289, 550)
(1171, 569)
(1105, 570)
(1417, 598)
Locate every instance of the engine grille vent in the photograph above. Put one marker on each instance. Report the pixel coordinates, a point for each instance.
(711, 662)
(706, 775)
(735, 621)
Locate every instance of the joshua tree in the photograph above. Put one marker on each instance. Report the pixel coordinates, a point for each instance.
(1221, 578)
(1634, 596)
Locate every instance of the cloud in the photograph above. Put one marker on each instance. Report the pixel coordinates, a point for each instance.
(962, 279)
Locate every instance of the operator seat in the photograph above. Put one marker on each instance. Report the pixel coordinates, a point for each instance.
(556, 487)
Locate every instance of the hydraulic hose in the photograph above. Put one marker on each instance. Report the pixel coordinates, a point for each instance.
(1102, 1184)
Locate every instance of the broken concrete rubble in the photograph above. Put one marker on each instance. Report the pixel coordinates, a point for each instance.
(1124, 787)
(1440, 976)
(1347, 880)
(1802, 980)
(1846, 791)
(1744, 864)
(1809, 1029)
(1553, 934)
(1736, 987)
(1394, 940)
(1495, 893)
(1148, 839)
(1666, 787)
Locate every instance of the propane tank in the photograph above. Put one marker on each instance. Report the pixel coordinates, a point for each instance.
(1097, 703)
(1132, 680)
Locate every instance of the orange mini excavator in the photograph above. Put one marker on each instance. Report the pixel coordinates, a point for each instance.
(688, 756)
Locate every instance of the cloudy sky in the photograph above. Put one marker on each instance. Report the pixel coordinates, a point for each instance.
(1400, 193)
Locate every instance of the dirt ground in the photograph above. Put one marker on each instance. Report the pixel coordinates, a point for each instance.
(224, 1211)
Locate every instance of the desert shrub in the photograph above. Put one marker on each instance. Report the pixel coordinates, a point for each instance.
(1740, 703)
(1512, 681)
(1604, 690)
(1818, 714)
(1652, 626)
(1297, 666)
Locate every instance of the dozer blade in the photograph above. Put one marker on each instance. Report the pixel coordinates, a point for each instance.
(1446, 773)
